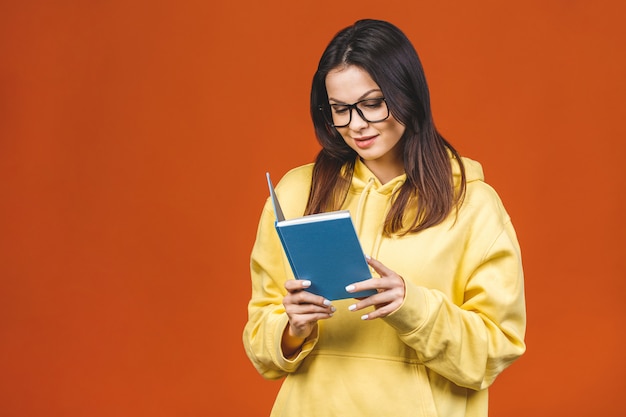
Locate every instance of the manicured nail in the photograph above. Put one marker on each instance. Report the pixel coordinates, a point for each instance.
(333, 309)
(364, 317)
(327, 303)
(350, 288)
(306, 283)
(368, 257)
(352, 307)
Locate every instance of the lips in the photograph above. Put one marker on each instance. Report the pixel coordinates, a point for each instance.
(365, 141)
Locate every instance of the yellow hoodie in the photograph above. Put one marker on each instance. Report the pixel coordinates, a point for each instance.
(461, 324)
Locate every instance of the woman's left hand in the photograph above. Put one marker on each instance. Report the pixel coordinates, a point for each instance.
(390, 287)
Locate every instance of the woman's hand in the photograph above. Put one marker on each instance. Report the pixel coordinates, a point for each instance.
(304, 309)
(390, 287)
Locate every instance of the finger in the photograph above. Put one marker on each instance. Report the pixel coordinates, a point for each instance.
(382, 307)
(305, 298)
(368, 284)
(304, 314)
(379, 267)
(293, 285)
(308, 313)
(381, 312)
(377, 300)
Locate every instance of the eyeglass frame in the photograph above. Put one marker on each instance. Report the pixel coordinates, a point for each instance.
(350, 108)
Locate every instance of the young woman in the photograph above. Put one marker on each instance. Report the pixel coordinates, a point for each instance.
(449, 312)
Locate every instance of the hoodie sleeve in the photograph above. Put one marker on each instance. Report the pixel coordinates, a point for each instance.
(267, 319)
(472, 342)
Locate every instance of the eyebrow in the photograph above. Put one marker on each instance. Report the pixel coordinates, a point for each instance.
(360, 98)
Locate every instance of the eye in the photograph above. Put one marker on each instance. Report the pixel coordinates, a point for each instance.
(338, 109)
(373, 103)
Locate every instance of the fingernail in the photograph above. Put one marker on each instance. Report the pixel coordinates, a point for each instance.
(306, 283)
(364, 317)
(350, 288)
(352, 307)
(333, 309)
(368, 257)
(327, 302)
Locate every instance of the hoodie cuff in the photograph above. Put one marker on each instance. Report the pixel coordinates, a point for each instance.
(413, 313)
(291, 364)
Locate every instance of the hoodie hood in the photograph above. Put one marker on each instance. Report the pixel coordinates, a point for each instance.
(473, 170)
(369, 188)
(364, 178)
(364, 184)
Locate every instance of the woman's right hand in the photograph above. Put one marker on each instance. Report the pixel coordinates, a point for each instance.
(303, 309)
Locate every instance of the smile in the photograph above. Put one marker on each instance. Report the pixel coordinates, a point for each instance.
(364, 142)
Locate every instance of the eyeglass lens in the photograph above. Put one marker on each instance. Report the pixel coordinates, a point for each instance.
(371, 110)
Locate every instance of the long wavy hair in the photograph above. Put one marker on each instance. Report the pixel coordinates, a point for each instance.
(387, 55)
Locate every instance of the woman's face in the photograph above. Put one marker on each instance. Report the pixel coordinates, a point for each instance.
(377, 143)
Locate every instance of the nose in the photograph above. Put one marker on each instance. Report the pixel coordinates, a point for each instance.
(357, 122)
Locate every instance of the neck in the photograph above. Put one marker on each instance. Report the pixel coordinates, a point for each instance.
(385, 171)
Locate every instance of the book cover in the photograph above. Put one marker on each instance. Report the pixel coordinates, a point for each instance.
(324, 249)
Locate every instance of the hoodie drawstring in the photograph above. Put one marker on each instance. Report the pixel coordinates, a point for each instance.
(361, 204)
(359, 221)
(379, 233)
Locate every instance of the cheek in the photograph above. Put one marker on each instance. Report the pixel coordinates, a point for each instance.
(344, 135)
(395, 131)
(400, 132)
(400, 129)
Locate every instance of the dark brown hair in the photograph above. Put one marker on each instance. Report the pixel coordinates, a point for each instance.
(387, 55)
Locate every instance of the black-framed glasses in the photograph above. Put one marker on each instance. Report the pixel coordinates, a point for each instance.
(372, 110)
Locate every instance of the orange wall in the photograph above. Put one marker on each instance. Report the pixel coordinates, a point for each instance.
(133, 141)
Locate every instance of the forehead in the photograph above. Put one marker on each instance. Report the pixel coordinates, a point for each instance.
(349, 84)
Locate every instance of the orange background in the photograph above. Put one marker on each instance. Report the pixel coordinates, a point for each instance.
(134, 136)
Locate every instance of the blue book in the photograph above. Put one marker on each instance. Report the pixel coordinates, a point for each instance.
(324, 249)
